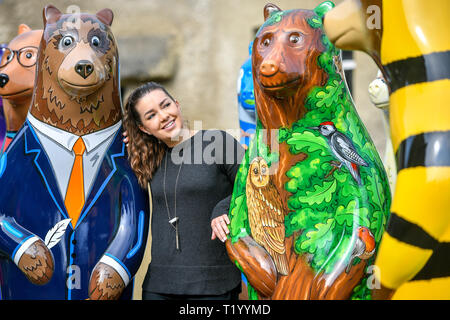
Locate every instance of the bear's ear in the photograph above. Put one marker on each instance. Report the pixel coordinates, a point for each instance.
(51, 14)
(269, 9)
(106, 16)
(23, 28)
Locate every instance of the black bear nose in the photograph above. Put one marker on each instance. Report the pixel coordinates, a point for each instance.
(3, 79)
(84, 68)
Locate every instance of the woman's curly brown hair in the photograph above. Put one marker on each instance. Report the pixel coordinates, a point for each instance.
(145, 152)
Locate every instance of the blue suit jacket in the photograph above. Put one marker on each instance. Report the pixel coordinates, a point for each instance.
(113, 222)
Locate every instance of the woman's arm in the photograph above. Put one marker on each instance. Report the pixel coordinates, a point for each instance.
(229, 163)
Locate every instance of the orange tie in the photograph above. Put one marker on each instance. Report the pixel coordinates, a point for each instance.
(74, 201)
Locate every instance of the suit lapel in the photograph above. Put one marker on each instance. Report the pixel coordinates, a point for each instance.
(34, 149)
(106, 171)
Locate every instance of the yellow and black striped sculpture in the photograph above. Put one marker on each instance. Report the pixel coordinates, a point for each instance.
(409, 41)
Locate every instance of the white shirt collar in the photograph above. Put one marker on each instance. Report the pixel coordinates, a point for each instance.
(67, 139)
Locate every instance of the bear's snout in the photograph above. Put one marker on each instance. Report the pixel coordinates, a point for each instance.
(3, 79)
(84, 68)
(269, 68)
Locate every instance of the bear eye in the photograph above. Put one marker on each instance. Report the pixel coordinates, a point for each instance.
(294, 38)
(95, 41)
(67, 41)
(266, 42)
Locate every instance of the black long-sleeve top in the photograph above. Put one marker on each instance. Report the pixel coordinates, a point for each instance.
(210, 160)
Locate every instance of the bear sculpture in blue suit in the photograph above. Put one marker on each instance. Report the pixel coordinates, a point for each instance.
(73, 219)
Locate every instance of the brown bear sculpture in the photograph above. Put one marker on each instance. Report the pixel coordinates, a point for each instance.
(311, 198)
(17, 74)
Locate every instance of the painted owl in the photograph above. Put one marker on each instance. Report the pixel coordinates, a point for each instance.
(266, 213)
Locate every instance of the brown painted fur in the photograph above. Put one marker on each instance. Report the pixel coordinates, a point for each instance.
(94, 103)
(283, 74)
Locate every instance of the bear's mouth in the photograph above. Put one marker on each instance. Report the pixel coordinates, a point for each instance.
(15, 93)
(279, 85)
(80, 85)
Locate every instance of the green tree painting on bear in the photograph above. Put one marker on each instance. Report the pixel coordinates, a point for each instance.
(311, 199)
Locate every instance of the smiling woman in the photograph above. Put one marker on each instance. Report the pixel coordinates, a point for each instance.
(145, 149)
(162, 117)
(190, 200)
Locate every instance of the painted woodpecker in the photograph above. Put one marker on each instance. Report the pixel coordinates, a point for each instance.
(342, 148)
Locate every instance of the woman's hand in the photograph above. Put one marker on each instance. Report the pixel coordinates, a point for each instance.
(220, 228)
(125, 137)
